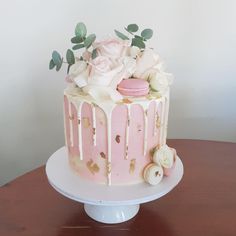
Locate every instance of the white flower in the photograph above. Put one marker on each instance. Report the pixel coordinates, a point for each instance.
(164, 156)
(78, 67)
(148, 64)
(160, 82)
(134, 51)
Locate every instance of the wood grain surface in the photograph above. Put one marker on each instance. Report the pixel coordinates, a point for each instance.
(204, 203)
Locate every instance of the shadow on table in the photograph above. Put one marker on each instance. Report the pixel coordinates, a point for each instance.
(147, 222)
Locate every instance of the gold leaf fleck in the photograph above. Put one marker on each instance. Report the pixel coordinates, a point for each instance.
(158, 124)
(86, 122)
(103, 155)
(118, 138)
(93, 167)
(108, 167)
(126, 100)
(71, 117)
(132, 166)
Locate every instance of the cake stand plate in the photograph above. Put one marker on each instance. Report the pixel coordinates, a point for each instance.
(107, 204)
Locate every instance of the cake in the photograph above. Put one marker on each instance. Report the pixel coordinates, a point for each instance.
(116, 108)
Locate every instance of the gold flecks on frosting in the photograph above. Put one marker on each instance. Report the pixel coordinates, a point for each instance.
(86, 122)
(124, 101)
(132, 166)
(94, 131)
(93, 167)
(71, 117)
(108, 168)
(158, 124)
(103, 155)
(118, 138)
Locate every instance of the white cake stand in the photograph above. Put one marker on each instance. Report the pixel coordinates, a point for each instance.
(107, 204)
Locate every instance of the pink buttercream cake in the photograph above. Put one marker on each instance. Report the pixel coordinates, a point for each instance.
(116, 109)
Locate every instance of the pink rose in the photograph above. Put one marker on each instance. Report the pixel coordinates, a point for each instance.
(103, 70)
(113, 48)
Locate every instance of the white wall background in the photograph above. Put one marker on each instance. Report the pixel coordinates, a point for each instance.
(196, 38)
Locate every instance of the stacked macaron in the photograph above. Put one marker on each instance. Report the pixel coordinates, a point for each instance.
(133, 87)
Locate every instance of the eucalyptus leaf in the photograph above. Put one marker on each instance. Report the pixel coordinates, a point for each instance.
(56, 57)
(68, 68)
(89, 40)
(139, 37)
(51, 64)
(58, 66)
(77, 39)
(94, 53)
(138, 43)
(80, 30)
(70, 57)
(132, 28)
(121, 35)
(147, 33)
(78, 46)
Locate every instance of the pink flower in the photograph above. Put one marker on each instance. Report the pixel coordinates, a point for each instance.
(103, 70)
(113, 48)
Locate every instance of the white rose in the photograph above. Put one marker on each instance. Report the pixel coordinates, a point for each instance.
(78, 67)
(148, 64)
(112, 48)
(160, 82)
(79, 73)
(164, 156)
(134, 51)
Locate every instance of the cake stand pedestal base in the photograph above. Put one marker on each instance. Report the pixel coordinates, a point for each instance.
(111, 214)
(107, 204)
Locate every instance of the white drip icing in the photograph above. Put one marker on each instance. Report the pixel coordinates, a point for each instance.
(166, 119)
(80, 130)
(155, 118)
(127, 131)
(145, 131)
(66, 131)
(94, 125)
(161, 142)
(71, 119)
(109, 149)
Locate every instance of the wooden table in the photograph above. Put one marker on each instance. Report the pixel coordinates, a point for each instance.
(204, 203)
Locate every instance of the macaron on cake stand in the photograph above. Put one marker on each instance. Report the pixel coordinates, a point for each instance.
(107, 204)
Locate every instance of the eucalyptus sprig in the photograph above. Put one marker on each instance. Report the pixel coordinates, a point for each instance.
(137, 40)
(81, 40)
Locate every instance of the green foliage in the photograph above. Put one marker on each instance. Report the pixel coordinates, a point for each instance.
(57, 60)
(138, 43)
(121, 35)
(137, 40)
(81, 30)
(70, 57)
(51, 64)
(89, 40)
(94, 53)
(78, 46)
(77, 39)
(132, 28)
(147, 33)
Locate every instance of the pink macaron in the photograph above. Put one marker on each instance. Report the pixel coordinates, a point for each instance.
(133, 87)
